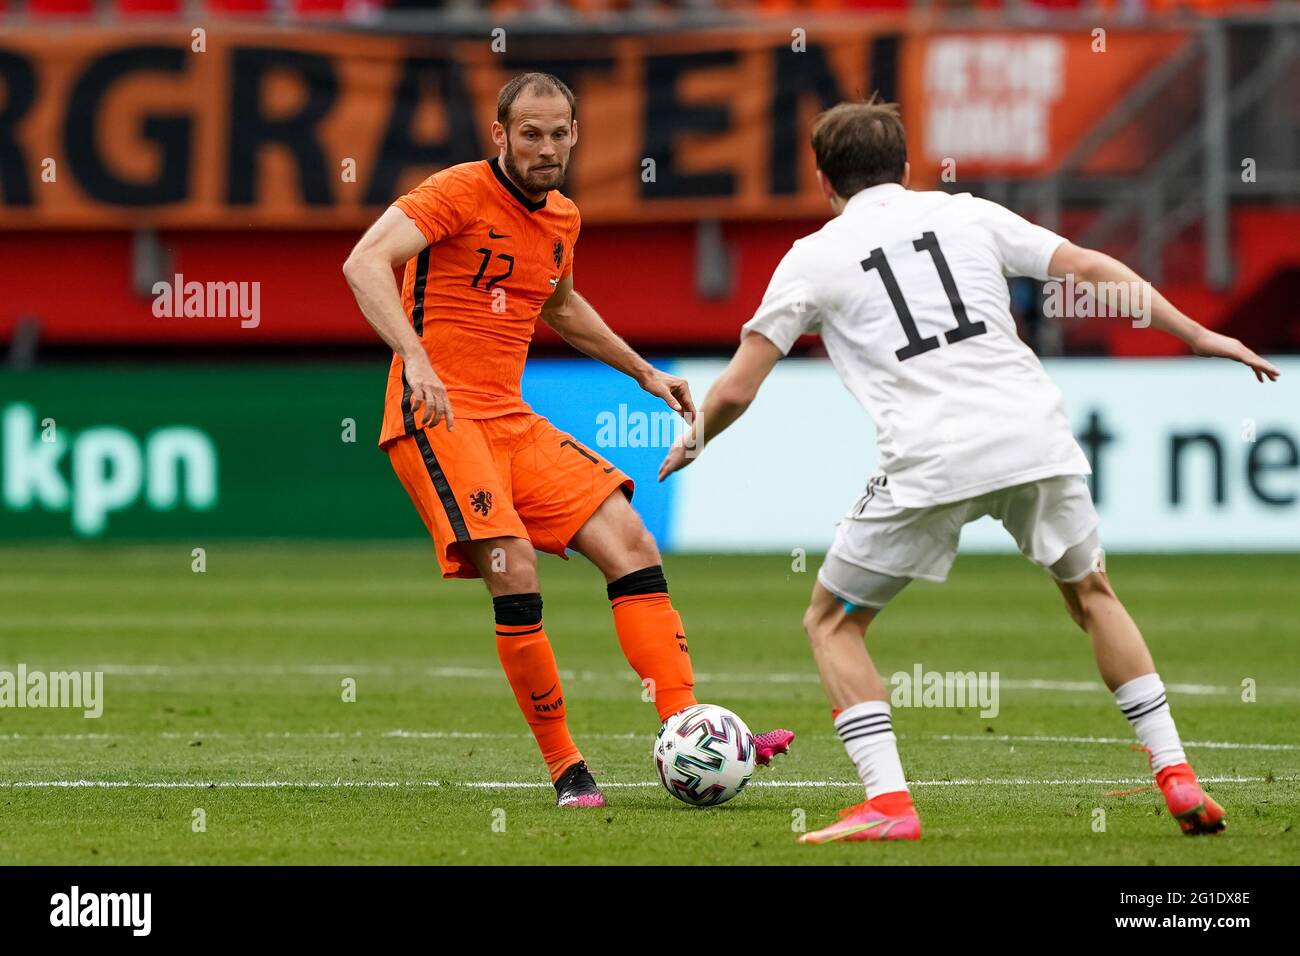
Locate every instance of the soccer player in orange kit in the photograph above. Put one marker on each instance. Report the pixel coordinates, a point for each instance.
(488, 248)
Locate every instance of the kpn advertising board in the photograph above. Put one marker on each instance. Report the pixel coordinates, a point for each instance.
(1187, 454)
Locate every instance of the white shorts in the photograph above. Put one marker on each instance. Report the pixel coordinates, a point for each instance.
(880, 547)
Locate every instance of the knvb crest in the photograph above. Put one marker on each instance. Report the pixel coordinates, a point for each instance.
(558, 252)
(481, 501)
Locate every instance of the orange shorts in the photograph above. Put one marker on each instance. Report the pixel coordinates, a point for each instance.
(514, 476)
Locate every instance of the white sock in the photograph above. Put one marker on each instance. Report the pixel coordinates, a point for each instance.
(868, 734)
(1142, 701)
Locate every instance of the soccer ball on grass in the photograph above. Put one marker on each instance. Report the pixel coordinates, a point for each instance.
(704, 755)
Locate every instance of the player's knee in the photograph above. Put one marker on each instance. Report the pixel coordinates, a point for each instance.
(810, 619)
(522, 572)
(1073, 608)
(643, 546)
(636, 542)
(817, 624)
(1087, 598)
(508, 565)
(616, 538)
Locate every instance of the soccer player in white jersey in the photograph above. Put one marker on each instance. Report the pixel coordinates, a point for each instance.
(908, 291)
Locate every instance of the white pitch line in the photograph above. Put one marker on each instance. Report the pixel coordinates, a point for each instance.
(814, 784)
(800, 677)
(530, 785)
(513, 735)
(1048, 738)
(213, 784)
(623, 676)
(456, 734)
(323, 735)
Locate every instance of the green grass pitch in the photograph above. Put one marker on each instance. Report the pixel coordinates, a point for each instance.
(223, 693)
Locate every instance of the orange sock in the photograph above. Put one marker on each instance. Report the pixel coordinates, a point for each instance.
(652, 637)
(529, 664)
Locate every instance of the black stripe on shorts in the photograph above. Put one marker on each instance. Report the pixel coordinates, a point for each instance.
(408, 413)
(441, 485)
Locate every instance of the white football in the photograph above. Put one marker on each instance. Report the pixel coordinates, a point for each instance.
(704, 755)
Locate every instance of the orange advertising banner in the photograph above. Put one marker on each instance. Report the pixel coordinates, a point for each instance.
(980, 104)
(248, 127)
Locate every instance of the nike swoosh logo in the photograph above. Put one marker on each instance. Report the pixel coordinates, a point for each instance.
(858, 828)
(544, 696)
(492, 234)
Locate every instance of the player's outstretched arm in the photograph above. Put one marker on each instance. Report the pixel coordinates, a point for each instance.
(581, 326)
(727, 400)
(1093, 266)
(394, 239)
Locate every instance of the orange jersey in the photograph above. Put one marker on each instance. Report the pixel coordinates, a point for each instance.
(474, 293)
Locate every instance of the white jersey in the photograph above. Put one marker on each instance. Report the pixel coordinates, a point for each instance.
(908, 291)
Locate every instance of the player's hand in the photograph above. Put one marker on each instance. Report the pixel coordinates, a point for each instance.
(429, 399)
(676, 459)
(675, 392)
(1222, 346)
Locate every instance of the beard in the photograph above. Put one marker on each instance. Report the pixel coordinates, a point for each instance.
(534, 181)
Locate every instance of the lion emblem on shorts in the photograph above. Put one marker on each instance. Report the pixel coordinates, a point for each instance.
(481, 501)
(558, 252)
